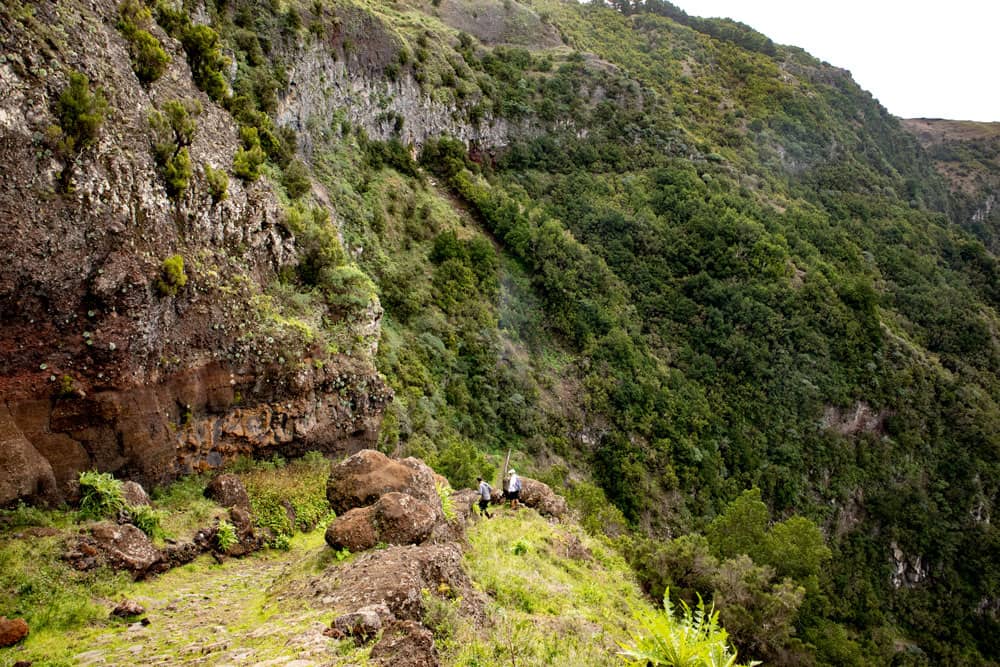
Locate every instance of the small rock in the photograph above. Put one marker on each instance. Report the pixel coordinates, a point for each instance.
(228, 491)
(134, 494)
(363, 624)
(128, 608)
(12, 630)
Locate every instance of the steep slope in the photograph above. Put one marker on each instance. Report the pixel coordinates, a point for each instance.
(665, 255)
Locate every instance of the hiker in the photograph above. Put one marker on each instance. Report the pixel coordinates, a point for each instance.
(485, 495)
(514, 489)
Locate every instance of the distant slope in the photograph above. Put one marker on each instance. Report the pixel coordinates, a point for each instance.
(967, 155)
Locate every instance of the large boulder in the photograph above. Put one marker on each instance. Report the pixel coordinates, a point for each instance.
(12, 630)
(228, 490)
(542, 498)
(406, 644)
(363, 478)
(395, 518)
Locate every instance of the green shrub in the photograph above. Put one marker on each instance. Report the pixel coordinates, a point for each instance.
(693, 638)
(225, 536)
(447, 503)
(177, 173)
(204, 52)
(148, 520)
(101, 495)
(249, 158)
(172, 276)
(296, 179)
(218, 183)
(149, 60)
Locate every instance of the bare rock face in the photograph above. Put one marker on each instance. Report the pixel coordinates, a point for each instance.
(395, 518)
(99, 367)
(228, 490)
(364, 477)
(12, 630)
(542, 498)
(134, 494)
(406, 644)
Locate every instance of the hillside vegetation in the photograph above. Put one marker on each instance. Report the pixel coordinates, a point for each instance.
(702, 284)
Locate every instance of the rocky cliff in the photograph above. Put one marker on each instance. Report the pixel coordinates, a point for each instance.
(100, 366)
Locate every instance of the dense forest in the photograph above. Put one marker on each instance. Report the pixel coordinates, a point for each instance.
(707, 287)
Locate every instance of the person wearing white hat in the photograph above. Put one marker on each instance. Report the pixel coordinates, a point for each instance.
(513, 488)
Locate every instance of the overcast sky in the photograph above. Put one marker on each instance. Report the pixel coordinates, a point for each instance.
(919, 58)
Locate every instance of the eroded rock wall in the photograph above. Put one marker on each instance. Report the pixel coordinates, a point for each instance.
(98, 367)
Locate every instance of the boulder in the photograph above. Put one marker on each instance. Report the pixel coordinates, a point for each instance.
(134, 494)
(543, 499)
(354, 530)
(228, 490)
(363, 478)
(246, 532)
(12, 630)
(123, 547)
(400, 518)
(406, 644)
(395, 518)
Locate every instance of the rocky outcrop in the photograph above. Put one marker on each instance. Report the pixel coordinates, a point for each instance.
(24, 473)
(121, 547)
(395, 577)
(362, 624)
(99, 368)
(366, 476)
(907, 571)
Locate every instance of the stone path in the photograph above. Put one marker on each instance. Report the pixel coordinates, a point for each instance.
(237, 613)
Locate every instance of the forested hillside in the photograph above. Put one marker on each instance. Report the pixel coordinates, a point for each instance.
(701, 283)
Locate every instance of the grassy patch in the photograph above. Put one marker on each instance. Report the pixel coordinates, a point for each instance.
(286, 497)
(548, 607)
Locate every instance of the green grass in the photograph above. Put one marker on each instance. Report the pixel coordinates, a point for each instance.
(547, 608)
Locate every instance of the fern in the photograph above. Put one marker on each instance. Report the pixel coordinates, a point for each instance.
(693, 638)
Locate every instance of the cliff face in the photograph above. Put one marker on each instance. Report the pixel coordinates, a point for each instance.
(98, 367)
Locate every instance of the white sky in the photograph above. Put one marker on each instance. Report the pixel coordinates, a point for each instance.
(919, 58)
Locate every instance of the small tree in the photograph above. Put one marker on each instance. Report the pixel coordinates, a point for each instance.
(149, 60)
(81, 114)
(173, 131)
(218, 183)
(247, 161)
